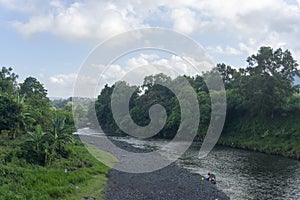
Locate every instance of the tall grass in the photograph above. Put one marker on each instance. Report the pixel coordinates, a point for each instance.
(74, 178)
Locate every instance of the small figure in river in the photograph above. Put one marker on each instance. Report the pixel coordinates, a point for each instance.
(211, 177)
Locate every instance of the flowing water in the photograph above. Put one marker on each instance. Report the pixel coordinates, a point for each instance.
(240, 174)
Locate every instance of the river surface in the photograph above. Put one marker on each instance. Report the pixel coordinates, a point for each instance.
(240, 174)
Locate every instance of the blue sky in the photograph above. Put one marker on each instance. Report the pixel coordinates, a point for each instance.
(51, 39)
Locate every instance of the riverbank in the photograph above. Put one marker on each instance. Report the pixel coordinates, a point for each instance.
(277, 136)
(273, 146)
(172, 182)
(78, 176)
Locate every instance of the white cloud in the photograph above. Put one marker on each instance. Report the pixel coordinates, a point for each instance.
(56, 4)
(63, 79)
(89, 82)
(225, 51)
(174, 63)
(21, 6)
(133, 69)
(41, 24)
(113, 73)
(85, 21)
(231, 28)
(184, 20)
(137, 61)
(60, 85)
(92, 20)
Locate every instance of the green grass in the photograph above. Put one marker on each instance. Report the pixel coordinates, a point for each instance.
(277, 146)
(21, 180)
(102, 156)
(93, 188)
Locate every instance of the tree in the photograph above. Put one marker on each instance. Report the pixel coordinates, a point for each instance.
(268, 80)
(37, 102)
(197, 83)
(103, 110)
(10, 113)
(36, 138)
(25, 121)
(205, 112)
(59, 136)
(31, 87)
(34, 146)
(8, 81)
(277, 63)
(227, 74)
(156, 82)
(43, 147)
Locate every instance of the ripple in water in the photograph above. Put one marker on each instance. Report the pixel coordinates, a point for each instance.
(241, 174)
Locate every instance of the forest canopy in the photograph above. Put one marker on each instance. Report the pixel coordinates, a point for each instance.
(261, 98)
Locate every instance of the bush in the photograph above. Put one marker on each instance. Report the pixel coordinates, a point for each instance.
(23, 180)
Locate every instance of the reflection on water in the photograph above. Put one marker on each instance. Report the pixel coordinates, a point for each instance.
(240, 174)
(248, 175)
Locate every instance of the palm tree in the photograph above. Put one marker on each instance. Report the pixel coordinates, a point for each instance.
(59, 136)
(48, 145)
(36, 142)
(25, 119)
(36, 138)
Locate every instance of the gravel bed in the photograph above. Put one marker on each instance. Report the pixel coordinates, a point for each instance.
(172, 182)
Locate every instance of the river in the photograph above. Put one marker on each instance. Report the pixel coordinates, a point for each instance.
(240, 174)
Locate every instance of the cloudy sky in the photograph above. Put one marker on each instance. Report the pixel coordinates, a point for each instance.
(51, 39)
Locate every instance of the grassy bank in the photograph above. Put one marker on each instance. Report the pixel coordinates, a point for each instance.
(279, 135)
(78, 176)
(269, 145)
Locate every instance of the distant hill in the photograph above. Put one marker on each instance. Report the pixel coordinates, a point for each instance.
(57, 98)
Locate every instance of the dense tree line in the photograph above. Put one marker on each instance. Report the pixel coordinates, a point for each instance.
(27, 114)
(257, 95)
(39, 157)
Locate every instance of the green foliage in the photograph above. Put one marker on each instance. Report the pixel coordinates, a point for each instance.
(33, 164)
(292, 103)
(263, 108)
(270, 80)
(43, 147)
(21, 180)
(263, 105)
(80, 107)
(8, 81)
(62, 103)
(32, 88)
(103, 111)
(10, 113)
(139, 105)
(37, 103)
(261, 100)
(279, 136)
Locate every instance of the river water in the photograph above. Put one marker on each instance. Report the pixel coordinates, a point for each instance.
(241, 174)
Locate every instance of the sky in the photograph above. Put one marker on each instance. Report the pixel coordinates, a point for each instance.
(51, 40)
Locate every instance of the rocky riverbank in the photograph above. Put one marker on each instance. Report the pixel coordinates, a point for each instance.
(172, 182)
